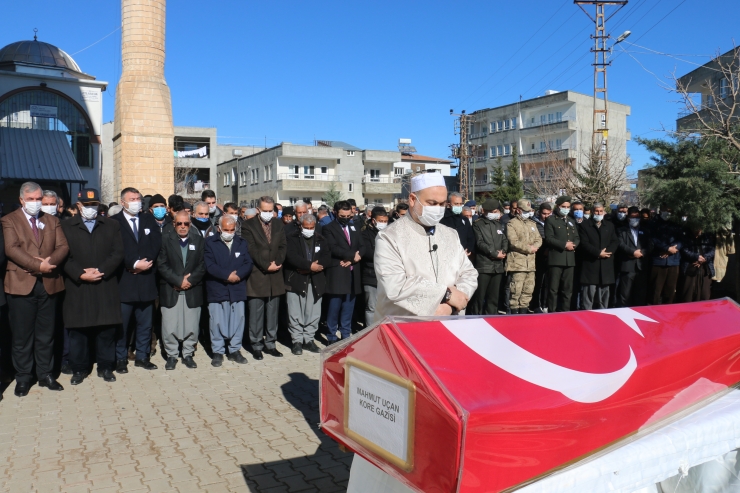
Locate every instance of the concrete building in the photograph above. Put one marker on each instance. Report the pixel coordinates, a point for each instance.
(143, 130)
(290, 173)
(711, 89)
(556, 127)
(50, 121)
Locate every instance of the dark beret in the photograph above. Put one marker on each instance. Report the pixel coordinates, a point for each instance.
(491, 204)
(561, 199)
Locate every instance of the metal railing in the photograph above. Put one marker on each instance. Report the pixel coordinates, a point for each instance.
(478, 135)
(564, 118)
(314, 177)
(379, 179)
(482, 182)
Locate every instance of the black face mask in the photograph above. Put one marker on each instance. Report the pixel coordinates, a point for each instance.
(343, 220)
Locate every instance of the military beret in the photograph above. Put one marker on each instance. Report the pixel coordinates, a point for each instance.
(491, 204)
(561, 199)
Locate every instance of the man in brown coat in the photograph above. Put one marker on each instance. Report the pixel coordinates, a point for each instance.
(35, 247)
(267, 245)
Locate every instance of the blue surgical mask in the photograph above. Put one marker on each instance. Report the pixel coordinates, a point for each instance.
(202, 219)
(159, 213)
(280, 213)
(457, 209)
(578, 214)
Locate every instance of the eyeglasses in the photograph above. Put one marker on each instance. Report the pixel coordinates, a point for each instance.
(182, 224)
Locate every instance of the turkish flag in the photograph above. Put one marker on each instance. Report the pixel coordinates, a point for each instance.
(503, 401)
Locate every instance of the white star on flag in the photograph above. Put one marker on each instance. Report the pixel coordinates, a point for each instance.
(628, 316)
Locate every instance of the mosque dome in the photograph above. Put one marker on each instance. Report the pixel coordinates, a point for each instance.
(37, 53)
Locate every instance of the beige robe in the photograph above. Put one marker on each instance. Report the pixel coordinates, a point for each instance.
(412, 280)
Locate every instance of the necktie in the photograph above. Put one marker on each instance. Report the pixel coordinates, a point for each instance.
(136, 230)
(34, 228)
(346, 234)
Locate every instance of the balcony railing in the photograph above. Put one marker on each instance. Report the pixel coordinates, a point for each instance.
(302, 176)
(478, 135)
(540, 123)
(481, 182)
(380, 179)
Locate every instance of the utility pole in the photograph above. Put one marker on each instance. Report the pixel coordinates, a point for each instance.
(462, 152)
(600, 145)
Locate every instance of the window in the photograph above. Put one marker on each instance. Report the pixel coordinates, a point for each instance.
(398, 171)
(375, 175)
(499, 126)
(493, 127)
(339, 161)
(265, 176)
(350, 153)
(559, 116)
(533, 146)
(293, 200)
(324, 170)
(493, 151)
(506, 124)
(543, 119)
(308, 172)
(603, 120)
(272, 169)
(307, 199)
(500, 150)
(550, 118)
(724, 88)
(542, 172)
(350, 187)
(532, 119)
(558, 143)
(226, 179)
(507, 150)
(542, 146)
(513, 123)
(256, 176)
(603, 146)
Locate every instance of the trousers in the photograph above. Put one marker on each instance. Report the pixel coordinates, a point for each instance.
(105, 348)
(226, 324)
(263, 322)
(594, 296)
(560, 288)
(632, 290)
(522, 287)
(486, 297)
(663, 281)
(303, 315)
(371, 298)
(32, 322)
(539, 295)
(180, 324)
(143, 312)
(339, 316)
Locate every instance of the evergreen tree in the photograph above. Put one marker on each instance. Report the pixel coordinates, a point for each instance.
(498, 181)
(691, 175)
(333, 195)
(514, 185)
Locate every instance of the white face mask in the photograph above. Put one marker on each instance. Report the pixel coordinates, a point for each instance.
(381, 226)
(506, 211)
(266, 216)
(49, 209)
(89, 213)
(308, 233)
(586, 216)
(134, 208)
(598, 217)
(493, 216)
(32, 208)
(227, 237)
(527, 215)
(431, 215)
(211, 209)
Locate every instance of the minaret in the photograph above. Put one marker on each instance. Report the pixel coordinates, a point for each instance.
(143, 137)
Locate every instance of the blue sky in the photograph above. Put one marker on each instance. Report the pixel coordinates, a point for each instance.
(371, 72)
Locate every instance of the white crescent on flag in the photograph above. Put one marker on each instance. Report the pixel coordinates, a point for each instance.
(490, 344)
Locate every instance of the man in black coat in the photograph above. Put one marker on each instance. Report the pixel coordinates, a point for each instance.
(634, 251)
(561, 239)
(137, 282)
(539, 295)
(490, 254)
(455, 220)
(92, 306)
(307, 256)
(181, 269)
(377, 222)
(343, 281)
(598, 248)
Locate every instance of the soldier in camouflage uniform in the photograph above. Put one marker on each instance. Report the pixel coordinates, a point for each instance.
(524, 241)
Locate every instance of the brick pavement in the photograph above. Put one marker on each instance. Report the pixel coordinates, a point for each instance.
(238, 428)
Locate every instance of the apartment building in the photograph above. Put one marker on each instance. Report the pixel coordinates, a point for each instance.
(547, 130)
(291, 173)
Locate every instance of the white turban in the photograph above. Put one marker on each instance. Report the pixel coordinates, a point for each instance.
(427, 180)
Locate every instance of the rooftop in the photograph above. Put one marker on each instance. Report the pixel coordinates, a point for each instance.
(39, 54)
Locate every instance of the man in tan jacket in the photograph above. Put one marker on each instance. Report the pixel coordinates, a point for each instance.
(524, 241)
(35, 247)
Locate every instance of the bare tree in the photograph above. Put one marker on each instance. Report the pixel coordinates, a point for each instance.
(718, 114)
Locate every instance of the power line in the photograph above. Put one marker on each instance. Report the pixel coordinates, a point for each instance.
(98, 41)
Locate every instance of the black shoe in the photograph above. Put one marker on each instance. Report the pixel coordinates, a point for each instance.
(297, 349)
(188, 361)
(51, 384)
(78, 377)
(107, 375)
(217, 360)
(311, 346)
(257, 354)
(22, 388)
(122, 366)
(66, 369)
(146, 364)
(171, 364)
(238, 358)
(274, 352)
(523, 311)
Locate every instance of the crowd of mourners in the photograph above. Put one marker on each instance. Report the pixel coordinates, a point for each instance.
(89, 283)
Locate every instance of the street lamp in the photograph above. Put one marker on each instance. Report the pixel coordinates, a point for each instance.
(623, 36)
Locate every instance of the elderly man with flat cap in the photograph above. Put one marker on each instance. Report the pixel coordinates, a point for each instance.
(561, 237)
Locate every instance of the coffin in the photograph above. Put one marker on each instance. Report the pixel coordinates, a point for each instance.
(489, 404)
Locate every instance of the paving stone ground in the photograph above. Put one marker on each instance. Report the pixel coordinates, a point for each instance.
(238, 428)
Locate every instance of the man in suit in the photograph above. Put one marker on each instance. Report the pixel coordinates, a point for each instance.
(598, 248)
(634, 250)
(34, 246)
(561, 239)
(137, 280)
(265, 236)
(181, 270)
(455, 220)
(5, 340)
(92, 308)
(490, 254)
(228, 265)
(343, 281)
(307, 257)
